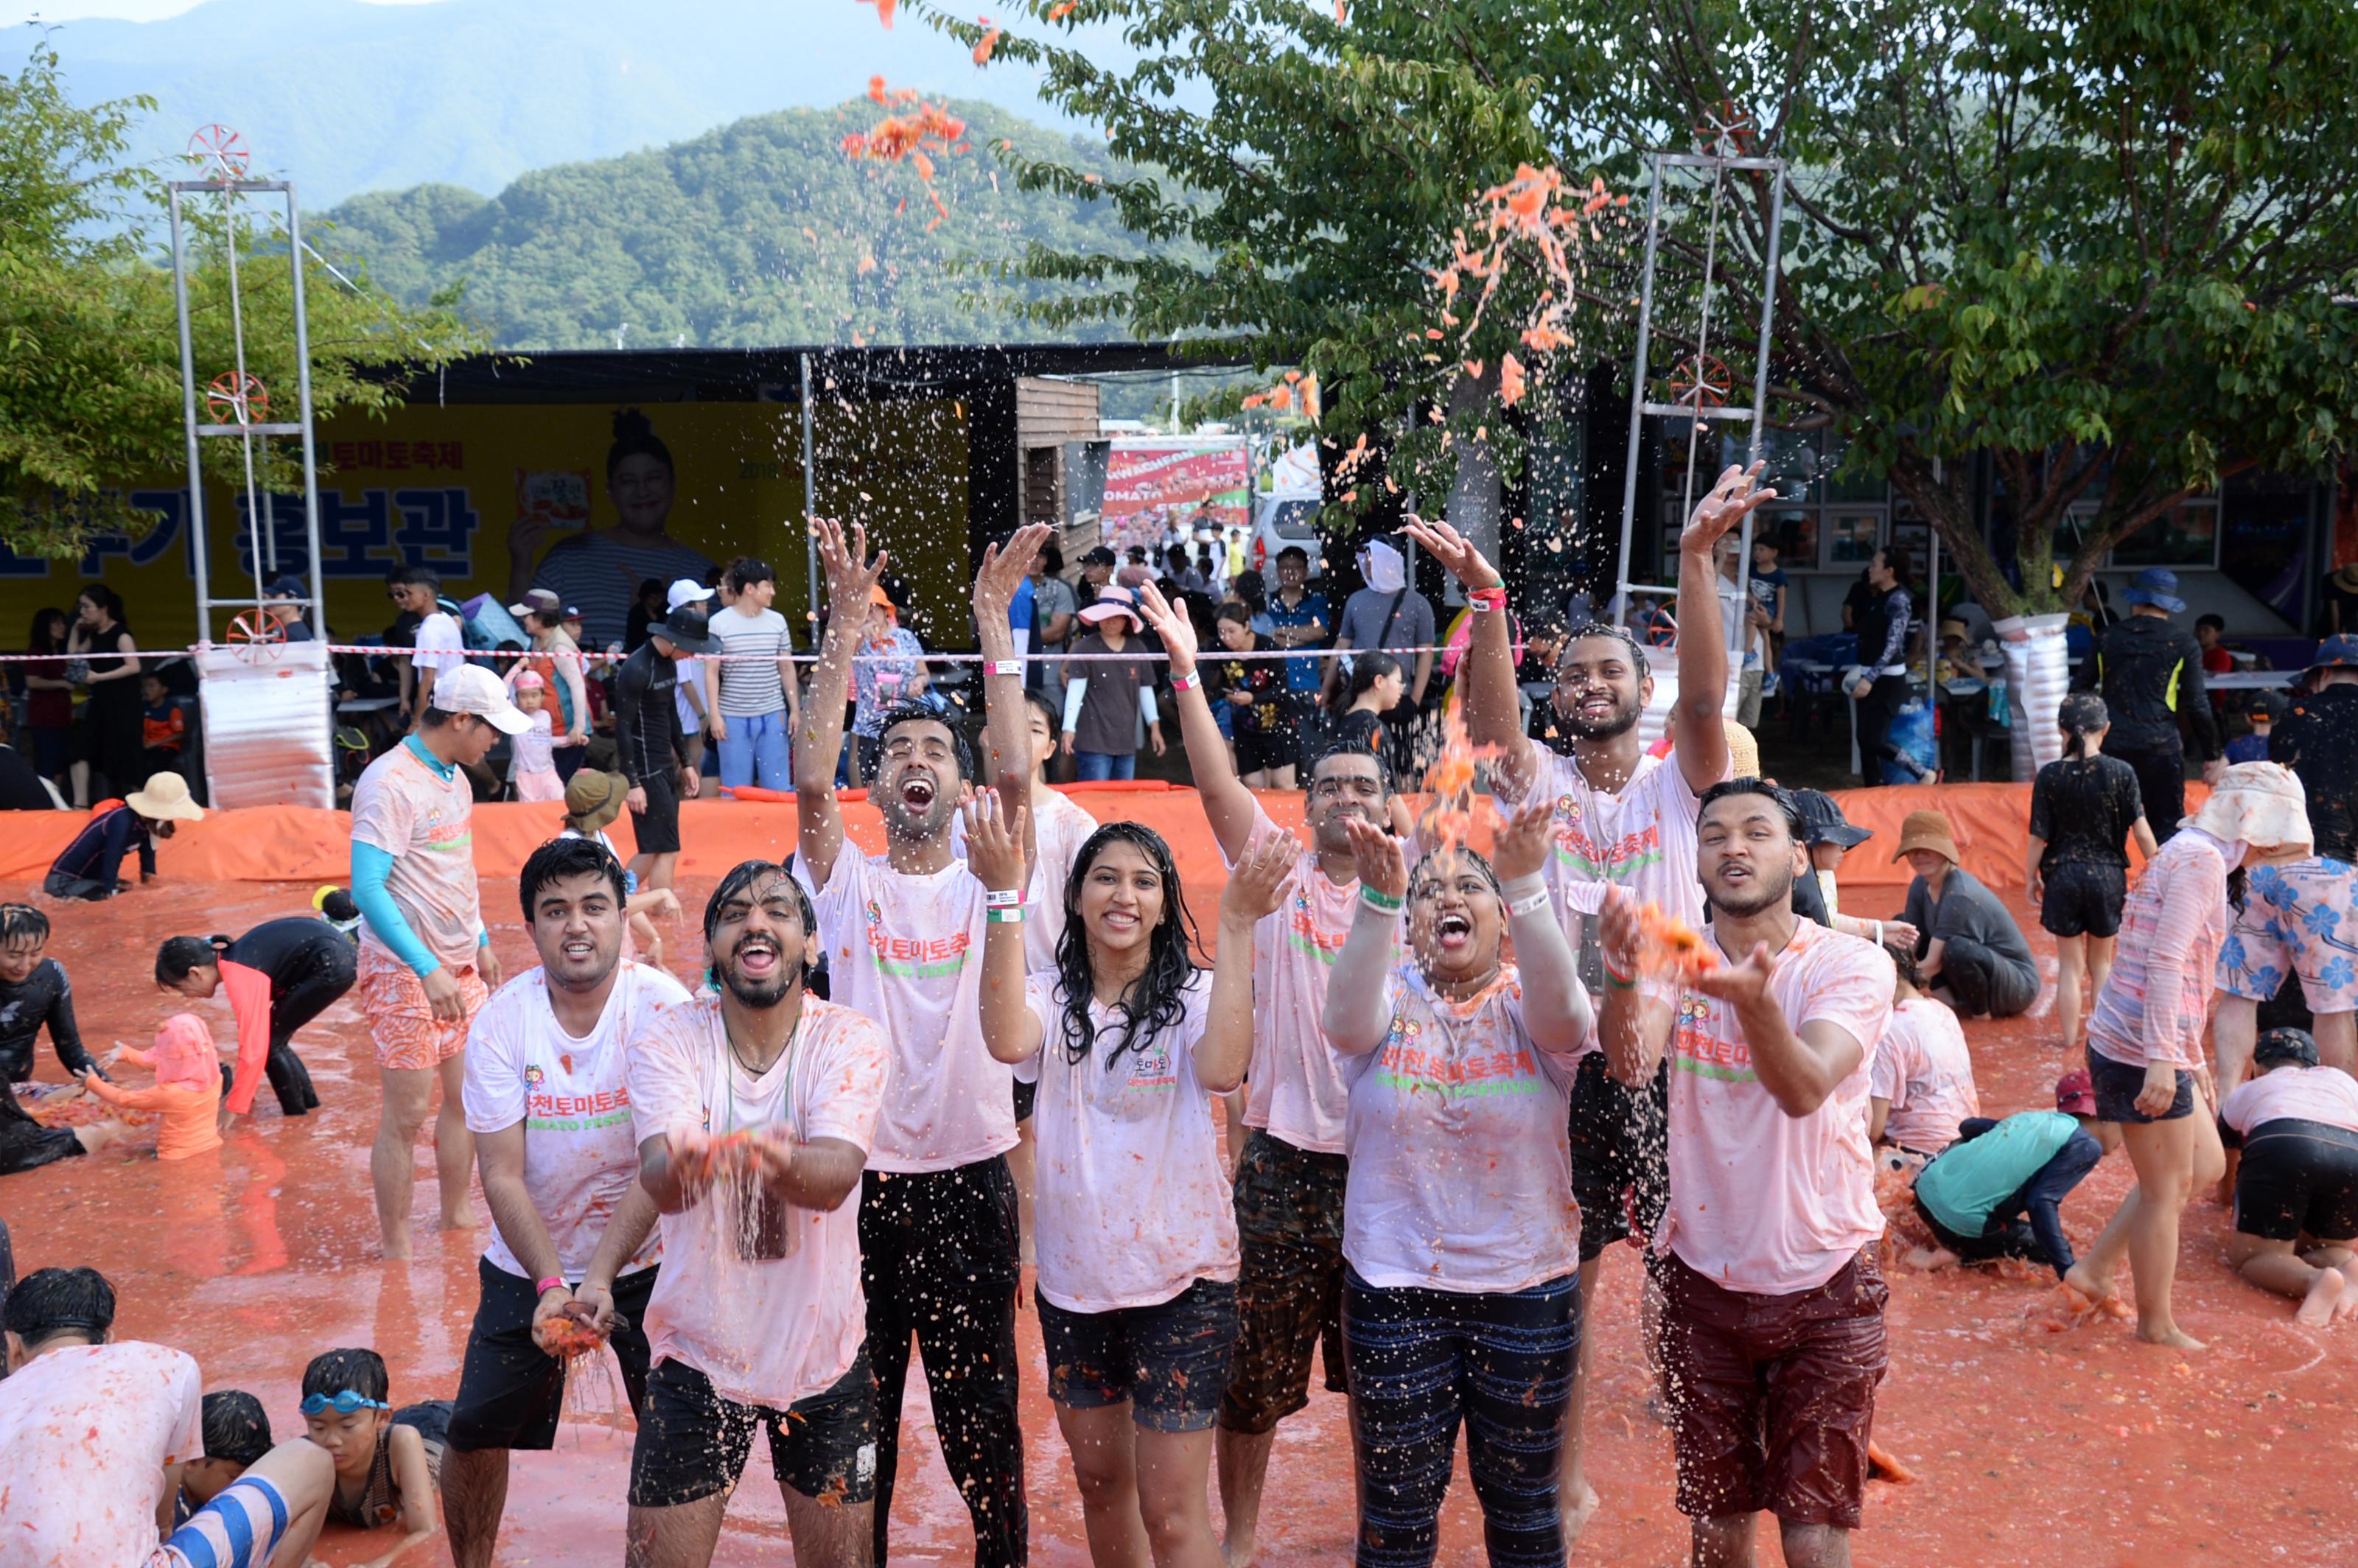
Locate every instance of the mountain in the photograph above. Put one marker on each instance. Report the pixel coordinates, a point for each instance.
(761, 232)
(346, 97)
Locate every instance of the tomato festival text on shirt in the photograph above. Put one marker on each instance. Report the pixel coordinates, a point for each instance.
(577, 1113)
(1403, 1065)
(1695, 1048)
(915, 957)
(1616, 861)
(1304, 936)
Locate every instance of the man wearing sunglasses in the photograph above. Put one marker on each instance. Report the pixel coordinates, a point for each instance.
(551, 1110)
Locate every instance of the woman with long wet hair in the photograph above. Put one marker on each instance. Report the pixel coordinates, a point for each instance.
(1131, 1042)
(1461, 1241)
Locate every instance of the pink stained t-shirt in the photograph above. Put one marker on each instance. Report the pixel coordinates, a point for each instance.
(2291, 1092)
(906, 951)
(1923, 1068)
(85, 1433)
(1641, 837)
(1294, 1089)
(1460, 1178)
(426, 822)
(766, 1333)
(580, 1154)
(1133, 1201)
(2154, 1006)
(1059, 829)
(1762, 1202)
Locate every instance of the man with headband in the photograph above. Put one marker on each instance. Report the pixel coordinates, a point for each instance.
(755, 1106)
(938, 1232)
(1623, 818)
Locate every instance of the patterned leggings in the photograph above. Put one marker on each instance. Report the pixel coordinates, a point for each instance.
(1422, 1361)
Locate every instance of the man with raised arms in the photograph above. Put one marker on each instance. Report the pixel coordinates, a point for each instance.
(551, 1110)
(1623, 818)
(1291, 1176)
(938, 1233)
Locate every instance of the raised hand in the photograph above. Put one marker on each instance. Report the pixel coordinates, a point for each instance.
(1004, 567)
(1520, 847)
(848, 580)
(994, 847)
(1740, 985)
(1619, 932)
(1168, 617)
(1454, 550)
(1723, 507)
(1260, 879)
(1381, 864)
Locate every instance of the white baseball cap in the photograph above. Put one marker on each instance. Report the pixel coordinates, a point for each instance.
(470, 689)
(686, 591)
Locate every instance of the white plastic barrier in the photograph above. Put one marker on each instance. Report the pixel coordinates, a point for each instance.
(2037, 674)
(269, 724)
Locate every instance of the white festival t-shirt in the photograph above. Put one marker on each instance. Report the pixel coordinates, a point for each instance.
(1059, 829)
(1133, 1202)
(906, 951)
(1923, 1068)
(1460, 1178)
(1641, 837)
(85, 1433)
(1762, 1202)
(579, 1154)
(764, 1332)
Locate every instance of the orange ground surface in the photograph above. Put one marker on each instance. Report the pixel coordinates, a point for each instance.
(2032, 1445)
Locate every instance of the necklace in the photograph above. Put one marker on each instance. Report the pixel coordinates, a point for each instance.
(728, 1080)
(751, 1070)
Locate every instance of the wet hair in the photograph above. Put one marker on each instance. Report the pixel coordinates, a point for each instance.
(562, 858)
(1618, 633)
(1252, 588)
(1766, 788)
(1428, 869)
(179, 955)
(39, 639)
(901, 713)
(745, 571)
(415, 573)
(1904, 962)
(1383, 768)
(236, 1427)
(1367, 669)
(23, 922)
(51, 1302)
(1157, 1000)
(634, 437)
(2079, 714)
(741, 877)
(362, 1370)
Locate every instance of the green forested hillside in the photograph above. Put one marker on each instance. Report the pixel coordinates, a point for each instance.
(761, 232)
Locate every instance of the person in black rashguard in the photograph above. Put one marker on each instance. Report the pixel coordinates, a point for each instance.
(34, 993)
(281, 975)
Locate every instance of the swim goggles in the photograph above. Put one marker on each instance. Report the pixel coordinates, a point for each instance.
(344, 1401)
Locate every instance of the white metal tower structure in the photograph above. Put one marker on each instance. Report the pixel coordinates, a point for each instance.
(268, 719)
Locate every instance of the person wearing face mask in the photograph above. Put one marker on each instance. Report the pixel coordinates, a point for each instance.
(749, 694)
(1131, 1044)
(938, 1230)
(1460, 1305)
(1390, 615)
(1623, 818)
(1772, 1337)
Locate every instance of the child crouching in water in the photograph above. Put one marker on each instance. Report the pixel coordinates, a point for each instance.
(188, 1091)
(388, 1461)
(536, 767)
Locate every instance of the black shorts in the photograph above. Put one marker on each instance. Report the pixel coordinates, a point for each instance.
(1289, 1282)
(658, 828)
(2299, 1178)
(1620, 1155)
(1261, 749)
(1026, 1096)
(692, 1442)
(2084, 900)
(510, 1389)
(1170, 1361)
(2118, 1086)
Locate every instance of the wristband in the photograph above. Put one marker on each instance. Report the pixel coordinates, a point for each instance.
(1483, 600)
(1012, 914)
(1382, 903)
(1619, 982)
(1002, 898)
(1878, 934)
(1530, 904)
(1187, 682)
(542, 1287)
(1002, 667)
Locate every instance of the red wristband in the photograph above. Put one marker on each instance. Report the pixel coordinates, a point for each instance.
(543, 1287)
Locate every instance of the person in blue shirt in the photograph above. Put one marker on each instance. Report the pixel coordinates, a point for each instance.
(90, 868)
(1999, 1191)
(2266, 708)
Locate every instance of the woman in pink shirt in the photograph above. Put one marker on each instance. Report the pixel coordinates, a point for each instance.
(2297, 1189)
(2145, 1038)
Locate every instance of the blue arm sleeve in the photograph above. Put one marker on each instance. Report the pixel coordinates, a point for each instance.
(370, 865)
(2045, 1192)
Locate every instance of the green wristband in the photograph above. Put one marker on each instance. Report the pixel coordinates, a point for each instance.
(1383, 902)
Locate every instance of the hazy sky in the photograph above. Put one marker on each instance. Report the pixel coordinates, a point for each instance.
(15, 11)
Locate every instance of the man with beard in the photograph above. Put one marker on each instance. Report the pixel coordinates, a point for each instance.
(1623, 818)
(755, 1109)
(938, 1231)
(551, 1110)
(1772, 1337)
(1291, 1174)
